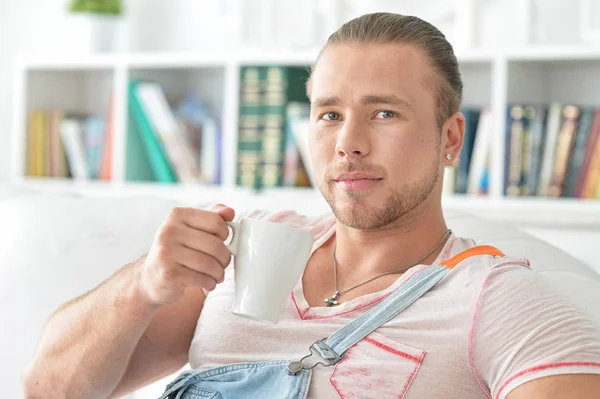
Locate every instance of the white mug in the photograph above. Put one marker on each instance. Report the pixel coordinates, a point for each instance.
(269, 259)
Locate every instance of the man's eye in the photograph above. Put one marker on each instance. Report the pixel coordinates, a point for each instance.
(386, 114)
(331, 116)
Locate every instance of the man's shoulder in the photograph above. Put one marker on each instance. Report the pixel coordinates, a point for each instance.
(479, 262)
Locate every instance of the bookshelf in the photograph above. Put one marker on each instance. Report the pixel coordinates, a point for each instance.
(491, 79)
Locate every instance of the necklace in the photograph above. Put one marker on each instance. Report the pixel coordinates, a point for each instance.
(333, 300)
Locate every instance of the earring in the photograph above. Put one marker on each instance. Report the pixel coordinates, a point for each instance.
(448, 157)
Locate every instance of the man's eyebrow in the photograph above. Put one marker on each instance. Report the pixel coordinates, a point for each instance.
(365, 100)
(389, 99)
(325, 101)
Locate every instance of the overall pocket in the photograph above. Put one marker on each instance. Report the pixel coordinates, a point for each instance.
(376, 367)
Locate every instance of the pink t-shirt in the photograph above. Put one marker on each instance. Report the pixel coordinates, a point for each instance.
(488, 326)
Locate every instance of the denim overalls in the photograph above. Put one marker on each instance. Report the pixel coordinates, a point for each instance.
(285, 379)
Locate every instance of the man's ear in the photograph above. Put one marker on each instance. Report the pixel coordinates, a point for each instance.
(453, 133)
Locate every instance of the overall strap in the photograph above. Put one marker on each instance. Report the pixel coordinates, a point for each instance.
(333, 348)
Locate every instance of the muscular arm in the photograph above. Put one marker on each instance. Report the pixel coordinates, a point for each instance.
(137, 326)
(164, 346)
(107, 341)
(572, 386)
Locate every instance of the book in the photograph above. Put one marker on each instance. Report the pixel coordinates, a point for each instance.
(538, 127)
(94, 130)
(37, 144)
(514, 152)
(172, 139)
(56, 151)
(481, 153)
(586, 169)
(251, 126)
(292, 159)
(72, 134)
(281, 86)
(592, 177)
(526, 148)
(464, 159)
(163, 172)
(203, 136)
(553, 124)
(137, 163)
(106, 167)
(580, 141)
(300, 127)
(563, 149)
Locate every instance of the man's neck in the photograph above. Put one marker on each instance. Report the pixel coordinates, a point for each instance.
(367, 253)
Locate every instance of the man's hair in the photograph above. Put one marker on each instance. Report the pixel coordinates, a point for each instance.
(386, 28)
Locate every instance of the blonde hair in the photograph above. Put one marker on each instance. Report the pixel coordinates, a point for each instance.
(385, 28)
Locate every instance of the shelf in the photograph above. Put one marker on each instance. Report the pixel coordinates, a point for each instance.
(523, 212)
(531, 211)
(204, 59)
(554, 53)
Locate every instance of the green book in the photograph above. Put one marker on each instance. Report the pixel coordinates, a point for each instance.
(251, 127)
(282, 86)
(157, 157)
(137, 166)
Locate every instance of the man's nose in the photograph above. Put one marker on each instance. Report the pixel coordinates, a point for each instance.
(353, 139)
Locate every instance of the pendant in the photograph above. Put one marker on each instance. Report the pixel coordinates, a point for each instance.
(332, 301)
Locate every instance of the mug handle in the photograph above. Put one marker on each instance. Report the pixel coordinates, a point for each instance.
(235, 232)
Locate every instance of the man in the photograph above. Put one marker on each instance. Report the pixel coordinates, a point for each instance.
(385, 95)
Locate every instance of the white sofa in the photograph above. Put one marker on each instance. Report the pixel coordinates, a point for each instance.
(54, 247)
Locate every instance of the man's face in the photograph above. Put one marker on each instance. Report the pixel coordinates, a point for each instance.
(374, 141)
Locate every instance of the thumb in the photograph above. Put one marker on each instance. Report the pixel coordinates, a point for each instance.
(224, 211)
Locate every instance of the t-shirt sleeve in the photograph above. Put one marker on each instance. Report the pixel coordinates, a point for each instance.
(525, 329)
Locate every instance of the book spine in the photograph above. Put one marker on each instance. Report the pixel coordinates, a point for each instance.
(564, 149)
(537, 144)
(251, 128)
(274, 100)
(106, 168)
(480, 157)
(594, 137)
(515, 143)
(71, 132)
(94, 138)
(294, 112)
(166, 127)
(161, 168)
(592, 179)
(462, 175)
(526, 149)
(552, 129)
(580, 143)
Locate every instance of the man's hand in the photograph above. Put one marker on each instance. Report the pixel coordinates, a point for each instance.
(188, 251)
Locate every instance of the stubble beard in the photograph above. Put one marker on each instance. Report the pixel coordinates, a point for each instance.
(355, 213)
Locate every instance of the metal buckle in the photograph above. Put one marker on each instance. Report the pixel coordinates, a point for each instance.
(320, 348)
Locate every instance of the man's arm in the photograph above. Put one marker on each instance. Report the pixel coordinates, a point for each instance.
(529, 339)
(107, 342)
(572, 386)
(136, 326)
(163, 348)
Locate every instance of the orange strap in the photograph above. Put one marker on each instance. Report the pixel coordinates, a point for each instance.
(479, 250)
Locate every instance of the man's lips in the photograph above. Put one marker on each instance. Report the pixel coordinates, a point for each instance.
(356, 176)
(356, 181)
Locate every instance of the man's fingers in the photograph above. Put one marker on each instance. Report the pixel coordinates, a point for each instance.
(206, 243)
(224, 211)
(207, 221)
(200, 262)
(192, 278)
